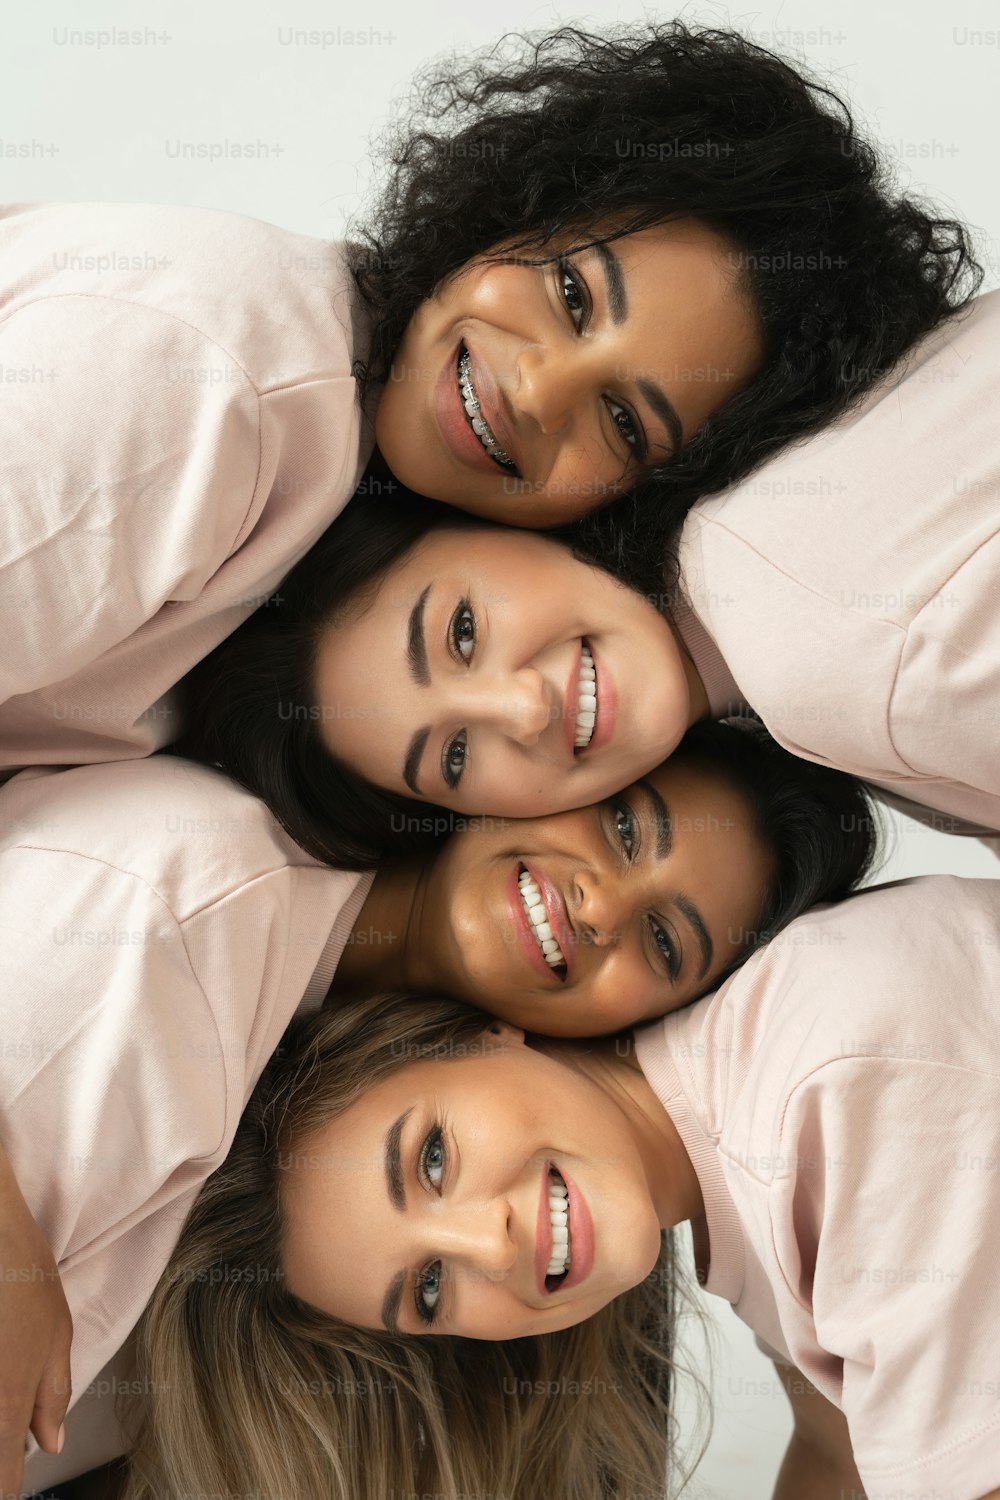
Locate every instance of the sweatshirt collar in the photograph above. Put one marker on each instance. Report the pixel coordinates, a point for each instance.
(661, 1049)
(724, 696)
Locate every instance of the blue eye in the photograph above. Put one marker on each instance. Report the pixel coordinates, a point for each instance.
(432, 1157)
(428, 1292)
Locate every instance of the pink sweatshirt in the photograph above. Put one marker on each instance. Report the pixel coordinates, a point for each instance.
(180, 424)
(850, 590)
(839, 1098)
(159, 932)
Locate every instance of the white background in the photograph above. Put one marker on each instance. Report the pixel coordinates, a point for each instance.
(85, 118)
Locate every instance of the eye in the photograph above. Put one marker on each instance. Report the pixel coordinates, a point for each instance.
(428, 1292)
(627, 425)
(573, 290)
(665, 947)
(453, 759)
(462, 631)
(432, 1157)
(625, 827)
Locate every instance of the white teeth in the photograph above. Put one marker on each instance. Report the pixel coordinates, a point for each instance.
(559, 1220)
(531, 900)
(479, 424)
(586, 708)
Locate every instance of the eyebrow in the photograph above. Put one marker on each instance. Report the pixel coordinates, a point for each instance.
(661, 817)
(664, 844)
(393, 1162)
(700, 931)
(664, 409)
(414, 755)
(416, 644)
(390, 1303)
(397, 1197)
(614, 282)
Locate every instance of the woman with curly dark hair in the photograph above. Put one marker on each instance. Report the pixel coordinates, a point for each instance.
(659, 252)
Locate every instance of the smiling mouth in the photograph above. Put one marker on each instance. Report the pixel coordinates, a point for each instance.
(586, 706)
(559, 1260)
(474, 415)
(538, 921)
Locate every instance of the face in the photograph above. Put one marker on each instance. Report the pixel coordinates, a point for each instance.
(494, 673)
(533, 393)
(424, 1208)
(642, 901)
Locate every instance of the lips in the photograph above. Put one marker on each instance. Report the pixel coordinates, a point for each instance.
(490, 409)
(474, 413)
(581, 1236)
(555, 910)
(525, 932)
(453, 422)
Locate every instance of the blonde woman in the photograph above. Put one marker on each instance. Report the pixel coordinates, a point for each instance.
(475, 1227)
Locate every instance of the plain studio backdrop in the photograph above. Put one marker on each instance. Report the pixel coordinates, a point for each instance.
(270, 110)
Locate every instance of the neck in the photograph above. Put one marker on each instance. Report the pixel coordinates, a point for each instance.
(697, 692)
(383, 950)
(612, 1065)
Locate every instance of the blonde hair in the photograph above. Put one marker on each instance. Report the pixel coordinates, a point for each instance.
(253, 1393)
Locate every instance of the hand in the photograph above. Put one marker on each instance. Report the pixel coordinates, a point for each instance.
(36, 1331)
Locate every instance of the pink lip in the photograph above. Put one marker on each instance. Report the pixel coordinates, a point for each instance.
(454, 423)
(607, 705)
(525, 936)
(491, 405)
(556, 913)
(581, 1235)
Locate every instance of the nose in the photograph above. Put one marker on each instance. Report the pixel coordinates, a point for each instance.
(518, 705)
(478, 1232)
(547, 387)
(599, 911)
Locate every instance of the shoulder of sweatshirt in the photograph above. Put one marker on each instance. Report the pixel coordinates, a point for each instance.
(187, 832)
(875, 514)
(281, 304)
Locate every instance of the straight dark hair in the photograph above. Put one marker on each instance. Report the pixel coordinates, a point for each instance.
(250, 707)
(820, 824)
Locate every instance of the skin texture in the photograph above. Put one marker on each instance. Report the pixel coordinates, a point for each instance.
(479, 1135)
(452, 925)
(559, 378)
(504, 618)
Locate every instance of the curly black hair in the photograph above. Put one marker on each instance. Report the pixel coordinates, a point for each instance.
(577, 132)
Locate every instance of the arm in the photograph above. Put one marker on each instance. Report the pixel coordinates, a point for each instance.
(819, 1462)
(35, 1334)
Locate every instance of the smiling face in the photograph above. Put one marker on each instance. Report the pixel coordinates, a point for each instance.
(492, 672)
(641, 902)
(532, 393)
(425, 1207)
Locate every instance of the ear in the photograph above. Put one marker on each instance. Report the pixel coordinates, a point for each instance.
(513, 1035)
